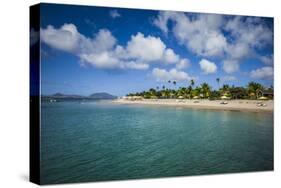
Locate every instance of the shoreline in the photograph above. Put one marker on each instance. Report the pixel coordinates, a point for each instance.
(231, 105)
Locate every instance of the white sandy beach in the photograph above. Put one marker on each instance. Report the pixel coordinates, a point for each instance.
(240, 105)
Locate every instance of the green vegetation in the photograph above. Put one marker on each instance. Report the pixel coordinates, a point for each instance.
(252, 91)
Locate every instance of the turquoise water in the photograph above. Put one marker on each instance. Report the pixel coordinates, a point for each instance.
(97, 141)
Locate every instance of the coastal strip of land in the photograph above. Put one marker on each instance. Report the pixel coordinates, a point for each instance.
(235, 105)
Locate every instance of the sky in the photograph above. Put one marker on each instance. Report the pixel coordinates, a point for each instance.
(86, 49)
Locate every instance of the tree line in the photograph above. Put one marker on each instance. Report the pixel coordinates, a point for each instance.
(253, 90)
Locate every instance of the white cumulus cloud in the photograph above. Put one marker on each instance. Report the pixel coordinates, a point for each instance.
(170, 56)
(114, 14)
(183, 63)
(146, 48)
(102, 50)
(250, 31)
(101, 60)
(262, 73)
(207, 66)
(267, 59)
(234, 38)
(137, 66)
(200, 34)
(163, 75)
(65, 38)
(230, 66)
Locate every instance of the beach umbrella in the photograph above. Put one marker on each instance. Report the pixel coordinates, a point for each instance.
(252, 94)
(263, 98)
(224, 97)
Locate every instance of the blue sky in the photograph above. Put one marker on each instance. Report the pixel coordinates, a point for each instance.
(95, 49)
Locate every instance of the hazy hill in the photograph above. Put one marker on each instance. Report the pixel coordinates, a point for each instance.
(102, 95)
(98, 96)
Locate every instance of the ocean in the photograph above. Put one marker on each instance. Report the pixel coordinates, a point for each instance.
(99, 141)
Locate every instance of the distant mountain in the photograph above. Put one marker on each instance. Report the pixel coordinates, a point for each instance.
(95, 96)
(60, 95)
(102, 95)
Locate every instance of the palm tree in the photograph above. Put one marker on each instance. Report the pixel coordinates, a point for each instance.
(195, 92)
(238, 92)
(167, 93)
(254, 88)
(188, 91)
(152, 91)
(218, 80)
(181, 92)
(206, 89)
(192, 82)
(163, 94)
(225, 88)
(175, 83)
(169, 81)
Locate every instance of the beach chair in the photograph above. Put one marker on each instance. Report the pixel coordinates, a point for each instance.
(224, 102)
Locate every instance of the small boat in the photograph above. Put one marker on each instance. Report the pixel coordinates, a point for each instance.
(53, 100)
(261, 105)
